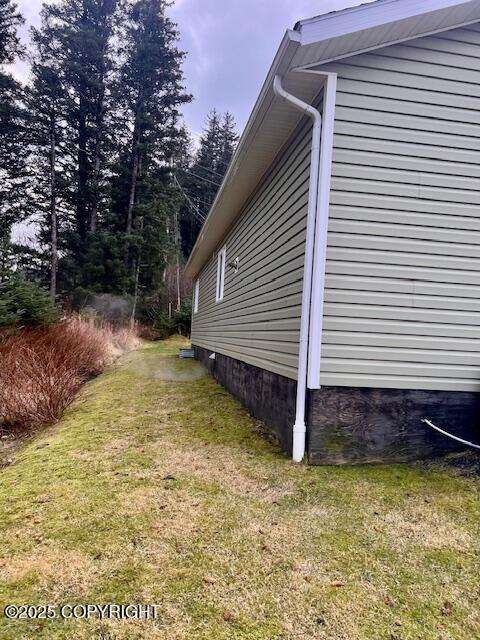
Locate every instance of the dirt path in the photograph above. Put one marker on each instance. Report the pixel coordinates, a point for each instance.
(156, 487)
(169, 369)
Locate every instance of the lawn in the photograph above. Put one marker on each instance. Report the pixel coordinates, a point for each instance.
(157, 487)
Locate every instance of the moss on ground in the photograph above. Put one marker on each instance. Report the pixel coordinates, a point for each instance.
(156, 487)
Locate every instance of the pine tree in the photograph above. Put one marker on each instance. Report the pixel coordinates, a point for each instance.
(149, 93)
(229, 139)
(48, 104)
(150, 90)
(10, 20)
(12, 129)
(136, 238)
(201, 180)
(208, 156)
(95, 148)
(80, 32)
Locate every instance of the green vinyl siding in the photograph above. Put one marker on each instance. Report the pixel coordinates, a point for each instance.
(258, 320)
(402, 303)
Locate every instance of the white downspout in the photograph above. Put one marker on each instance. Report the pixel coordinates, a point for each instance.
(299, 428)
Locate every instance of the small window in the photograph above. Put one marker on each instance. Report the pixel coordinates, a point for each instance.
(196, 295)
(220, 274)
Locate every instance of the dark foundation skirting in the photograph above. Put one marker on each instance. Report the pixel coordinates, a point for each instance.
(352, 425)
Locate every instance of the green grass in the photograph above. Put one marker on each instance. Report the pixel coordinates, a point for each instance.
(156, 487)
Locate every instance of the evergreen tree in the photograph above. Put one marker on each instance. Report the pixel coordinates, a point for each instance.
(228, 142)
(48, 104)
(10, 20)
(95, 149)
(80, 33)
(150, 90)
(12, 130)
(201, 180)
(149, 93)
(137, 235)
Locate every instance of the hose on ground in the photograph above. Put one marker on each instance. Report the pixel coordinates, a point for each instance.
(450, 435)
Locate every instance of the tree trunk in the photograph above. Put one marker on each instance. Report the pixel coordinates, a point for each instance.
(179, 299)
(97, 158)
(92, 226)
(137, 280)
(82, 155)
(136, 161)
(136, 164)
(177, 244)
(135, 293)
(53, 212)
(81, 209)
(133, 189)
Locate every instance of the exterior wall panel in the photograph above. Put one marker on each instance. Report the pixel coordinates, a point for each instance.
(258, 321)
(403, 260)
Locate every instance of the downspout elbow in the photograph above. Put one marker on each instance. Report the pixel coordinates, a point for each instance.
(300, 104)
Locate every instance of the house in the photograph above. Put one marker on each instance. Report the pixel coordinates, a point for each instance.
(337, 276)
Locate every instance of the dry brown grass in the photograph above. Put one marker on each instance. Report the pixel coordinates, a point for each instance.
(58, 570)
(42, 369)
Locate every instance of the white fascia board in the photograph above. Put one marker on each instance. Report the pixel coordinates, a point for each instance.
(368, 16)
(312, 66)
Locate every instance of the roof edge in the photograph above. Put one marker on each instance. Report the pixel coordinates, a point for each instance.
(366, 16)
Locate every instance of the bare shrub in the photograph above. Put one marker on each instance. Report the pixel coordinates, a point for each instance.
(125, 339)
(42, 369)
(147, 332)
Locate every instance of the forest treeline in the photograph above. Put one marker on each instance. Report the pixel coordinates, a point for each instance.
(93, 149)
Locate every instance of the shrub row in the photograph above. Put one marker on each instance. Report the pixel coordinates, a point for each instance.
(41, 369)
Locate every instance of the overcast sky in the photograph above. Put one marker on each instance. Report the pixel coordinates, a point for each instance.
(230, 45)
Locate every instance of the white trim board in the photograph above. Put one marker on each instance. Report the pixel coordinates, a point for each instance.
(321, 229)
(368, 16)
(312, 66)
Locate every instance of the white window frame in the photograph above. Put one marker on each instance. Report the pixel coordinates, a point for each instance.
(221, 260)
(196, 295)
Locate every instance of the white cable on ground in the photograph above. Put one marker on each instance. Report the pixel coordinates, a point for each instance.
(445, 433)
